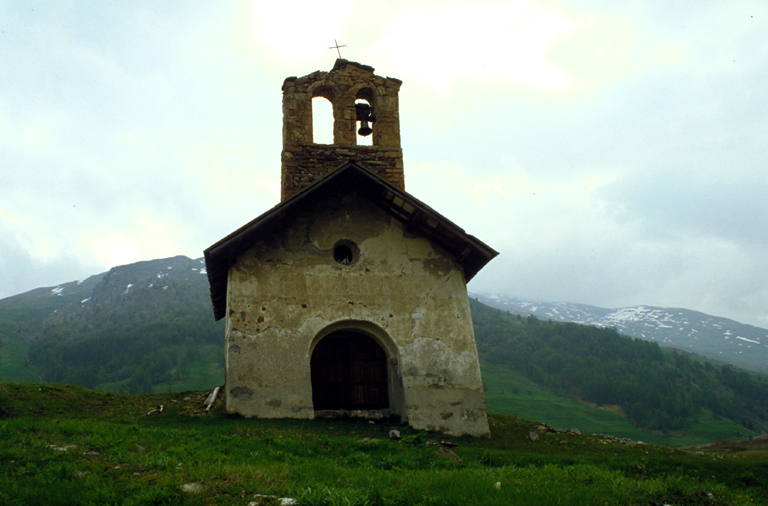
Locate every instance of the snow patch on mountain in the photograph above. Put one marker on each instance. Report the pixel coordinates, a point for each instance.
(700, 333)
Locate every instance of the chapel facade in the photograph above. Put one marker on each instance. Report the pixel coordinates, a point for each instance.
(349, 297)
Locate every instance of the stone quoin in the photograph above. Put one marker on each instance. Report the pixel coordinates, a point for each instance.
(349, 297)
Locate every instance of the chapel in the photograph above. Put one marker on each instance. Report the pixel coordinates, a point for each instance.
(349, 297)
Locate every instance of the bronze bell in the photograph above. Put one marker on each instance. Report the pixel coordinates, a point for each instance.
(364, 116)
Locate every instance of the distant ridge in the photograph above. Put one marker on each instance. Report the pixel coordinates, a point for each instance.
(143, 287)
(710, 336)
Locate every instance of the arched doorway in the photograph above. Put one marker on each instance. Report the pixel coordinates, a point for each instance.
(349, 371)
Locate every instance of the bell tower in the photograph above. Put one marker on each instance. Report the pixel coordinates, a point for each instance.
(356, 94)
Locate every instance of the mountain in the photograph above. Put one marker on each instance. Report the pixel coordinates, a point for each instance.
(138, 288)
(22, 317)
(130, 329)
(655, 388)
(710, 336)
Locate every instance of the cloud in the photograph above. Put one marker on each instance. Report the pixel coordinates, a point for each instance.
(22, 271)
(298, 30)
(565, 240)
(687, 204)
(613, 153)
(507, 41)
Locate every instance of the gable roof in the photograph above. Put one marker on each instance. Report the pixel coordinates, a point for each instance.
(416, 216)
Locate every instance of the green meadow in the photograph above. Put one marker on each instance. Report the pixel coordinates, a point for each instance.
(510, 393)
(69, 445)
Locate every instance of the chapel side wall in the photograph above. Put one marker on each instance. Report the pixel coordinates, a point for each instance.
(287, 289)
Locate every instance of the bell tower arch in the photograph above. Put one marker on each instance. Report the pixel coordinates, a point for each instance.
(358, 97)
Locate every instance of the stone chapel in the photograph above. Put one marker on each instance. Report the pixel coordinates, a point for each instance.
(349, 297)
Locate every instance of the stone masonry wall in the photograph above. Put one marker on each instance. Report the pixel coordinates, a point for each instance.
(304, 162)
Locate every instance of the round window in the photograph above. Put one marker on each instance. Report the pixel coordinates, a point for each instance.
(345, 252)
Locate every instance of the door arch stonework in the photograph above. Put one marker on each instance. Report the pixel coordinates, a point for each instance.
(354, 366)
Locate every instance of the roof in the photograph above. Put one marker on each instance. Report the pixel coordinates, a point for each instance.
(416, 216)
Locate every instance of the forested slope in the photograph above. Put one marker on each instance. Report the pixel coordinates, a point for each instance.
(146, 324)
(656, 388)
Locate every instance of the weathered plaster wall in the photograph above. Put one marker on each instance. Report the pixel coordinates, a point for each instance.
(400, 289)
(304, 162)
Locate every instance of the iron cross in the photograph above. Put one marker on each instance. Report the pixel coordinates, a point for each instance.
(336, 47)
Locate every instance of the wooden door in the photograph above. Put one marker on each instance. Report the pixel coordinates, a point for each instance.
(349, 371)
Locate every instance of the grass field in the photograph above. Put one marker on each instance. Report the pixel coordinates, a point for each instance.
(69, 445)
(204, 374)
(510, 393)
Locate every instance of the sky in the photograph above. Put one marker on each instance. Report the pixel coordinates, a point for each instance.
(614, 153)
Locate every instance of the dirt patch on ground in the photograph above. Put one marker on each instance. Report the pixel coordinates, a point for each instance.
(613, 408)
(755, 444)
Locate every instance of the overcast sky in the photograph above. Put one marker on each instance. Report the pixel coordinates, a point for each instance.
(614, 153)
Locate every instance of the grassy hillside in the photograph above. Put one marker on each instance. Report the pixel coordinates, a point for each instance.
(69, 445)
(508, 392)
